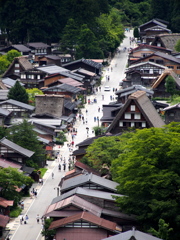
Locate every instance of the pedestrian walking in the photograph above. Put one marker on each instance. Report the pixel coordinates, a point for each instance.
(108, 78)
(69, 166)
(99, 88)
(31, 194)
(86, 111)
(26, 219)
(21, 220)
(64, 166)
(37, 218)
(35, 193)
(59, 167)
(86, 121)
(110, 97)
(22, 205)
(111, 69)
(102, 97)
(52, 175)
(94, 119)
(99, 109)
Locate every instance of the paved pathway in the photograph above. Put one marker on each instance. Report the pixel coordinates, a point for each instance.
(47, 191)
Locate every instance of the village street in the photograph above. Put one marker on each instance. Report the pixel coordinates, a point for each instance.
(49, 190)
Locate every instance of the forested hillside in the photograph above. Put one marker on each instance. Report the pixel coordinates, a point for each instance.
(92, 25)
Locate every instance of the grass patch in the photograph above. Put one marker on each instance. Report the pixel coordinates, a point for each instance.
(43, 171)
(15, 212)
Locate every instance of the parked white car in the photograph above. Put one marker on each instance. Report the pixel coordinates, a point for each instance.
(107, 88)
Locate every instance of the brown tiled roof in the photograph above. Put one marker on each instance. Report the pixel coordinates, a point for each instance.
(76, 201)
(25, 63)
(87, 217)
(5, 164)
(5, 203)
(3, 220)
(83, 166)
(166, 73)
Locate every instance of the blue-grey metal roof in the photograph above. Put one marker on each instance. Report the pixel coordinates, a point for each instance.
(3, 94)
(72, 75)
(10, 82)
(16, 147)
(4, 112)
(87, 192)
(51, 69)
(19, 104)
(89, 178)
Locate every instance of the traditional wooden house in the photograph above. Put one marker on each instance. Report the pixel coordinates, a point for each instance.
(3, 223)
(89, 80)
(84, 226)
(39, 48)
(5, 116)
(14, 152)
(150, 24)
(137, 112)
(86, 64)
(48, 60)
(17, 108)
(144, 50)
(167, 41)
(143, 73)
(32, 78)
(151, 32)
(123, 94)
(19, 64)
(18, 47)
(163, 59)
(159, 87)
(102, 199)
(89, 181)
(109, 113)
(5, 206)
(132, 235)
(172, 113)
(68, 81)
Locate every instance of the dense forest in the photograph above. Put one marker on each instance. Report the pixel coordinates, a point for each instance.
(96, 26)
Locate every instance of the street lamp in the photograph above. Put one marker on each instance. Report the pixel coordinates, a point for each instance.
(87, 129)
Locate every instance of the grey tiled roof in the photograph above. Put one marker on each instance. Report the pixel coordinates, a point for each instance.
(89, 178)
(37, 45)
(63, 88)
(87, 192)
(137, 235)
(21, 47)
(3, 94)
(19, 104)
(16, 147)
(87, 61)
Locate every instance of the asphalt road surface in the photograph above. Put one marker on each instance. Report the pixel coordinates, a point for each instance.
(46, 192)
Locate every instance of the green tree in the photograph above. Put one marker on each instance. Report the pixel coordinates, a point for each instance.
(170, 85)
(88, 46)
(99, 130)
(18, 93)
(136, 32)
(24, 135)
(4, 64)
(10, 180)
(149, 176)
(177, 46)
(3, 132)
(32, 93)
(12, 54)
(163, 231)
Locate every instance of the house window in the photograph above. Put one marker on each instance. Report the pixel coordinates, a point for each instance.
(137, 116)
(143, 124)
(120, 124)
(171, 67)
(16, 71)
(38, 77)
(23, 76)
(178, 67)
(127, 116)
(159, 44)
(146, 71)
(151, 60)
(132, 124)
(17, 65)
(171, 114)
(133, 107)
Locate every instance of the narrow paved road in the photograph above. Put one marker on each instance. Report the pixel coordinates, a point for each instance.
(32, 230)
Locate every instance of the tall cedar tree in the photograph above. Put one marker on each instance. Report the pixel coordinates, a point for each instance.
(23, 135)
(18, 93)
